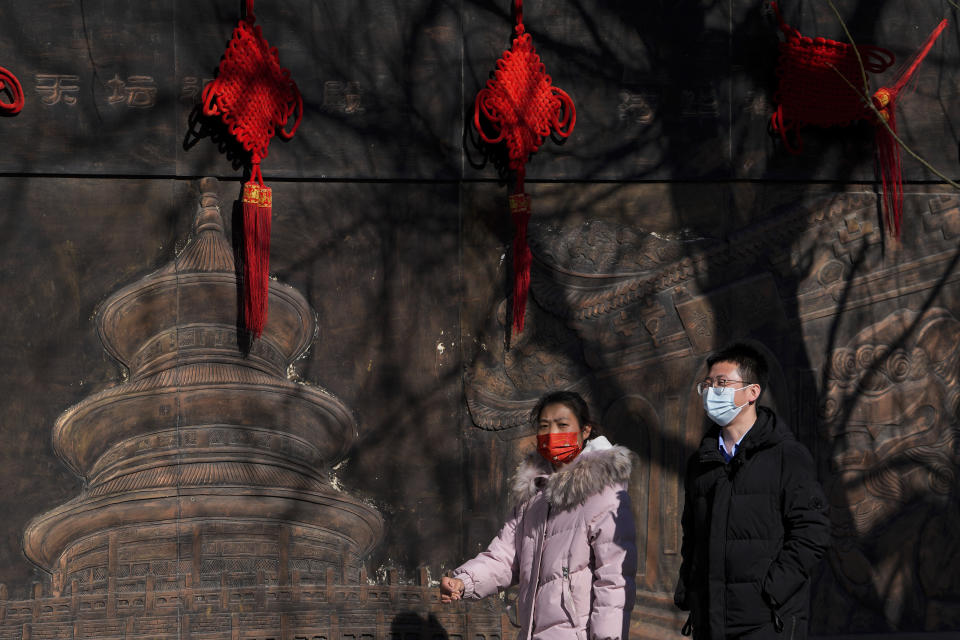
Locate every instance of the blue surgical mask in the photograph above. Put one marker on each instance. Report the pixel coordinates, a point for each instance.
(720, 406)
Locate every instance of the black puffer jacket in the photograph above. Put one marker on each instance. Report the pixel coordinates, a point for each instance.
(753, 530)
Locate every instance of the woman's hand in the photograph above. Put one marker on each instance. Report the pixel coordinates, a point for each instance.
(450, 589)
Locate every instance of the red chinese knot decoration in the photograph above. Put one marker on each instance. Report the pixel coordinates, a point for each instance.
(523, 107)
(822, 83)
(255, 98)
(10, 85)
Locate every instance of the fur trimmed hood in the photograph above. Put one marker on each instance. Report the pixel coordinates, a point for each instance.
(598, 466)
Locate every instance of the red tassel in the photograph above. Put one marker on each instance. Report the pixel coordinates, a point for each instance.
(888, 149)
(522, 258)
(520, 106)
(257, 211)
(891, 170)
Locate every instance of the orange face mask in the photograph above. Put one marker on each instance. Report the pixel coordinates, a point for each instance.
(559, 448)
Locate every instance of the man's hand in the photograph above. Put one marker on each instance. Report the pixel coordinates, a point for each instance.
(450, 589)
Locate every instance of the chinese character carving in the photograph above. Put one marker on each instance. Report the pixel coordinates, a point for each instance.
(137, 92)
(56, 88)
(342, 96)
(192, 89)
(636, 108)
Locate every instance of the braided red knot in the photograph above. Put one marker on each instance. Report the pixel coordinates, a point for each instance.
(523, 107)
(255, 97)
(822, 84)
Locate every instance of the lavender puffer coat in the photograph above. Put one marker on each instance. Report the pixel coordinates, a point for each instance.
(569, 544)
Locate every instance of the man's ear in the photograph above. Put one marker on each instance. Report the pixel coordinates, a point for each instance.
(753, 392)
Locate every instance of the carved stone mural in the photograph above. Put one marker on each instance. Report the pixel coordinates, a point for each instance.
(206, 432)
(165, 477)
(642, 311)
(208, 508)
(891, 419)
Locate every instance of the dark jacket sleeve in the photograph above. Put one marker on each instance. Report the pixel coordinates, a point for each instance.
(681, 596)
(806, 526)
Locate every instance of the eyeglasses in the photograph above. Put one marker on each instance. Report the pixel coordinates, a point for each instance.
(719, 383)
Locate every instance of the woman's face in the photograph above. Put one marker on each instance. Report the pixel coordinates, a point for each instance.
(558, 418)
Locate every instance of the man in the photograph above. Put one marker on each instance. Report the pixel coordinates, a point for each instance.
(754, 521)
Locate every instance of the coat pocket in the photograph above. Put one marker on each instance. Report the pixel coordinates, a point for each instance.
(566, 598)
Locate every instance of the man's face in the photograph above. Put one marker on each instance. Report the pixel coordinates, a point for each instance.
(729, 372)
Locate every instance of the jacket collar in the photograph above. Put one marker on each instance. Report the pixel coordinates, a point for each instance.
(766, 432)
(598, 466)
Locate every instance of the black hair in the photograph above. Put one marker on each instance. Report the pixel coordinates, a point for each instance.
(571, 400)
(750, 363)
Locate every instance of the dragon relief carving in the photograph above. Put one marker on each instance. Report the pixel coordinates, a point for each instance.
(890, 411)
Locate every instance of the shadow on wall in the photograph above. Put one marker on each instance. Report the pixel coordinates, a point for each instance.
(797, 267)
(410, 625)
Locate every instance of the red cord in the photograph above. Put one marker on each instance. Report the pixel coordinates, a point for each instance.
(521, 104)
(889, 158)
(252, 93)
(820, 82)
(255, 97)
(10, 84)
(522, 107)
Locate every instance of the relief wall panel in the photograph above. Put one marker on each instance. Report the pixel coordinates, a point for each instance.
(858, 331)
(664, 91)
(669, 223)
(217, 474)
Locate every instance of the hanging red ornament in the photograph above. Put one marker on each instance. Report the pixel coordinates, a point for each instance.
(523, 107)
(10, 85)
(255, 97)
(888, 147)
(822, 83)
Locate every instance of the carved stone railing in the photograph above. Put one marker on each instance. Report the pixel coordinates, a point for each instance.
(330, 610)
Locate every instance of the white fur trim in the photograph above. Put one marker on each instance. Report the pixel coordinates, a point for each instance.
(598, 466)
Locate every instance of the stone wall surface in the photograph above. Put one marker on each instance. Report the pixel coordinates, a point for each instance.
(158, 472)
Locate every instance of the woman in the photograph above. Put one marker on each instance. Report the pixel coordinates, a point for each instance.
(570, 540)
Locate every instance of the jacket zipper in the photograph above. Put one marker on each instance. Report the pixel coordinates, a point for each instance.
(569, 587)
(793, 626)
(726, 527)
(536, 589)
